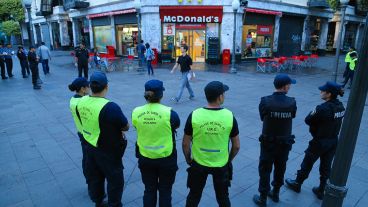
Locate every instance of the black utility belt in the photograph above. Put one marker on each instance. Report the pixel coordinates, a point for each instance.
(286, 139)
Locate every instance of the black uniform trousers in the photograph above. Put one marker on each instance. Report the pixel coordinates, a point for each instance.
(34, 71)
(272, 154)
(2, 66)
(197, 176)
(158, 175)
(83, 67)
(321, 149)
(9, 66)
(100, 165)
(25, 67)
(347, 68)
(349, 75)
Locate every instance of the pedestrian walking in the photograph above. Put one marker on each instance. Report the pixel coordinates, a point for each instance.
(348, 59)
(8, 53)
(103, 125)
(22, 56)
(82, 56)
(324, 125)
(156, 126)
(149, 56)
(33, 64)
(276, 112)
(2, 61)
(44, 55)
(352, 66)
(184, 61)
(141, 51)
(81, 88)
(207, 133)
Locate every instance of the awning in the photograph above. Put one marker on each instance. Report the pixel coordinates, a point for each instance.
(261, 11)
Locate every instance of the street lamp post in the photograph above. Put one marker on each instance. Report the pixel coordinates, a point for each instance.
(28, 4)
(138, 6)
(336, 187)
(235, 5)
(344, 4)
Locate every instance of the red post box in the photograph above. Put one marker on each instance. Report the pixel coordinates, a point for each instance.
(155, 53)
(226, 56)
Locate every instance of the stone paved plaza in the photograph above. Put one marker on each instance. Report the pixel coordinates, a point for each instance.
(40, 153)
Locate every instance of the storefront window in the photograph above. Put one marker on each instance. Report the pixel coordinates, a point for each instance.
(212, 31)
(102, 37)
(167, 52)
(127, 36)
(350, 33)
(257, 41)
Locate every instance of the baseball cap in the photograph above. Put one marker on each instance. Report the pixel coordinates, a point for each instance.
(214, 89)
(99, 77)
(331, 87)
(80, 82)
(282, 80)
(30, 47)
(154, 85)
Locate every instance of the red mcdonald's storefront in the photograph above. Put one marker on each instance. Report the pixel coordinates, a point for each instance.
(194, 26)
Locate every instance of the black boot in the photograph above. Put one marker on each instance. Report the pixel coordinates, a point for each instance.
(260, 200)
(293, 185)
(274, 194)
(102, 204)
(318, 192)
(36, 87)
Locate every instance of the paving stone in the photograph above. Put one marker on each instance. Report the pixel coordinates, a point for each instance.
(49, 194)
(38, 177)
(32, 165)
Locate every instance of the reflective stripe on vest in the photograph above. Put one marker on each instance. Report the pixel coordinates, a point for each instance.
(89, 109)
(152, 122)
(353, 63)
(73, 108)
(211, 134)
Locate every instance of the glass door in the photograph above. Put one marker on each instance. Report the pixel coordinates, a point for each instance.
(196, 42)
(199, 42)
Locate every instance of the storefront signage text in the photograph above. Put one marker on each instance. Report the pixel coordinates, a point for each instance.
(127, 11)
(264, 30)
(190, 19)
(191, 14)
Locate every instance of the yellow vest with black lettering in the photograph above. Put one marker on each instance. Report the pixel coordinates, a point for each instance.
(211, 134)
(353, 63)
(89, 109)
(152, 122)
(73, 108)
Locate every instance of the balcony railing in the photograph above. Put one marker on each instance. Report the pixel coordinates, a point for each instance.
(318, 3)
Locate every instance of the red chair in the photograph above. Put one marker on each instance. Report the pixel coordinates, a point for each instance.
(279, 63)
(296, 62)
(313, 59)
(261, 65)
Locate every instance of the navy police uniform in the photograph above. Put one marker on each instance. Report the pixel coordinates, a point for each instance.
(82, 54)
(324, 125)
(276, 111)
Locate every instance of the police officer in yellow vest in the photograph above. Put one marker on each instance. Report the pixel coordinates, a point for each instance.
(156, 126)
(81, 87)
(208, 131)
(352, 66)
(348, 59)
(103, 126)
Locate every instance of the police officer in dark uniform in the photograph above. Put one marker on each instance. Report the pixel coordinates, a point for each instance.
(277, 112)
(103, 127)
(324, 125)
(33, 64)
(156, 126)
(207, 134)
(82, 56)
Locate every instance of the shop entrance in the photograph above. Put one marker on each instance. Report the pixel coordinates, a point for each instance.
(195, 39)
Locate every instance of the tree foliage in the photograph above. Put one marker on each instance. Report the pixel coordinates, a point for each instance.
(362, 4)
(11, 27)
(11, 9)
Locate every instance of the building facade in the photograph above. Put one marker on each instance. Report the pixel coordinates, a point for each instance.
(263, 29)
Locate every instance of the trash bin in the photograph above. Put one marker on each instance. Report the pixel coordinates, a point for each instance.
(226, 56)
(155, 52)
